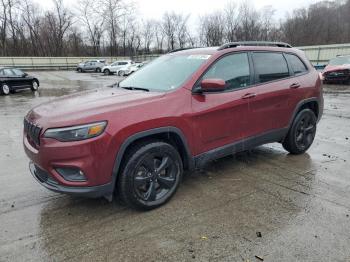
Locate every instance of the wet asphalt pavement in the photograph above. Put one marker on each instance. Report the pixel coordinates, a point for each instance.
(262, 203)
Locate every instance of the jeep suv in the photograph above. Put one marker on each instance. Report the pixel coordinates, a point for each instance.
(182, 110)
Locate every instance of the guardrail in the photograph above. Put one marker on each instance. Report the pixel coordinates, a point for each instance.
(318, 55)
(50, 63)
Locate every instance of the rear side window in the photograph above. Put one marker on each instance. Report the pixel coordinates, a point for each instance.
(297, 65)
(8, 72)
(270, 66)
(234, 69)
(123, 63)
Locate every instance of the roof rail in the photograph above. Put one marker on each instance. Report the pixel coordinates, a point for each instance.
(253, 43)
(181, 49)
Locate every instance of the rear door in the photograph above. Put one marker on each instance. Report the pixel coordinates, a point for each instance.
(220, 118)
(10, 78)
(270, 104)
(302, 81)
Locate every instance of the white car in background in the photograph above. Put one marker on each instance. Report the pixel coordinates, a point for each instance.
(134, 68)
(118, 67)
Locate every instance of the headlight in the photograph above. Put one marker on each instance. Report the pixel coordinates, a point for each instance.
(76, 133)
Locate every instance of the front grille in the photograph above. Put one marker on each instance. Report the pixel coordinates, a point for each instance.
(33, 131)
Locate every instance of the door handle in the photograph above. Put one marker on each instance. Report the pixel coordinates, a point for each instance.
(294, 85)
(249, 95)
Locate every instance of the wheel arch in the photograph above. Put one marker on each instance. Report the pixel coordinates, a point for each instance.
(36, 80)
(310, 103)
(172, 135)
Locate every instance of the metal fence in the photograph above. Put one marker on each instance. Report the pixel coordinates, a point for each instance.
(56, 63)
(321, 54)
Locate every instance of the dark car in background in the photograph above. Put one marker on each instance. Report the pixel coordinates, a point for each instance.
(337, 71)
(12, 79)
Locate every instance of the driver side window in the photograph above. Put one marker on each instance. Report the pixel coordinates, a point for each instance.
(234, 69)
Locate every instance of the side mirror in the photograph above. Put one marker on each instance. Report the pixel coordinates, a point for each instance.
(24, 75)
(212, 85)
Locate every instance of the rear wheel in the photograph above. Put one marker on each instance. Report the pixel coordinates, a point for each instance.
(121, 73)
(80, 70)
(5, 89)
(151, 175)
(302, 132)
(98, 70)
(35, 86)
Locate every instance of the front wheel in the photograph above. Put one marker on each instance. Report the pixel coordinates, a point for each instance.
(107, 72)
(98, 70)
(151, 175)
(121, 73)
(5, 89)
(302, 132)
(35, 86)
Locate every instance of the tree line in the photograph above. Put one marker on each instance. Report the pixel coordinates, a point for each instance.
(113, 27)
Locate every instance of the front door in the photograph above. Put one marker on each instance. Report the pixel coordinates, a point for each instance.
(221, 118)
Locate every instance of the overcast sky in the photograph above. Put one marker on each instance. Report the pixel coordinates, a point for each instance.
(156, 8)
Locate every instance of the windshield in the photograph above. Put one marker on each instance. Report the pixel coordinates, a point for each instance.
(341, 60)
(165, 73)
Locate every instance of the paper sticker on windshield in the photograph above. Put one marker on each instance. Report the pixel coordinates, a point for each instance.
(202, 57)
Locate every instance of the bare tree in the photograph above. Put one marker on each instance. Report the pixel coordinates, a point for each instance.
(147, 34)
(212, 29)
(56, 24)
(3, 26)
(169, 26)
(159, 36)
(249, 27)
(231, 21)
(94, 21)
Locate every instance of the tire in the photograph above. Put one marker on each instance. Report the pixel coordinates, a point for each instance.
(35, 86)
(107, 72)
(302, 133)
(143, 183)
(5, 89)
(121, 73)
(80, 70)
(98, 70)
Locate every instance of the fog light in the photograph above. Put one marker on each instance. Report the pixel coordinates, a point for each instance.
(72, 174)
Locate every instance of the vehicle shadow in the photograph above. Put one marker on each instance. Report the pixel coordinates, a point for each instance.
(259, 190)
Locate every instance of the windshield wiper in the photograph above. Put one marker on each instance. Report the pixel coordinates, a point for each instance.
(135, 88)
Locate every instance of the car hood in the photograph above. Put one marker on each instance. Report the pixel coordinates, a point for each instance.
(94, 105)
(333, 68)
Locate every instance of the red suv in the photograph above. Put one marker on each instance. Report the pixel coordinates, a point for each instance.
(177, 113)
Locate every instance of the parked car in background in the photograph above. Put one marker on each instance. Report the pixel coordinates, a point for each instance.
(134, 68)
(118, 67)
(179, 112)
(91, 65)
(337, 71)
(12, 79)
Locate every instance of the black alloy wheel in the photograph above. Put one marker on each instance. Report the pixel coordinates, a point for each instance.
(151, 175)
(302, 133)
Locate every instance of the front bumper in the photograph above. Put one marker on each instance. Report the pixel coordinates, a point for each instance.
(44, 178)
